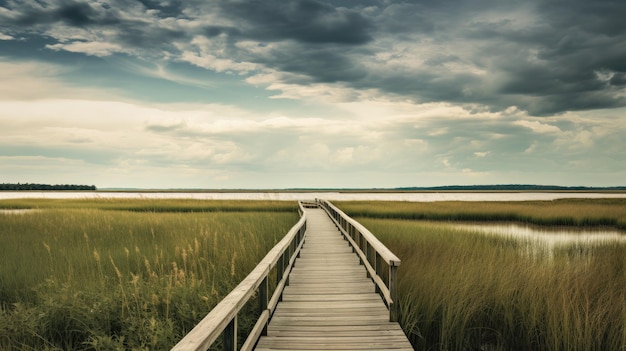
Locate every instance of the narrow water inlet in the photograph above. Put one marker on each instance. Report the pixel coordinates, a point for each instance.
(16, 211)
(541, 239)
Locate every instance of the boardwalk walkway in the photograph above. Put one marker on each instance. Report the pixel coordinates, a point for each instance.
(329, 303)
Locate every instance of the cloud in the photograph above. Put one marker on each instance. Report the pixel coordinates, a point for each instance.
(89, 48)
(539, 56)
(304, 21)
(282, 92)
(481, 153)
(201, 55)
(538, 127)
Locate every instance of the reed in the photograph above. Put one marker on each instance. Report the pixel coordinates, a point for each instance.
(107, 275)
(471, 291)
(152, 205)
(563, 212)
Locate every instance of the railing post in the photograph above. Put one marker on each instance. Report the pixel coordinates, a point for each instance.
(263, 300)
(358, 243)
(300, 237)
(230, 335)
(393, 312)
(378, 265)
(368, 252)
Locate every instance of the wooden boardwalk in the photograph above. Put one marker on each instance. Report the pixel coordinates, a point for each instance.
(330, 304)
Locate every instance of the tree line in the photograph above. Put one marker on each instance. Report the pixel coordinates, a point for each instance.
(44, 187)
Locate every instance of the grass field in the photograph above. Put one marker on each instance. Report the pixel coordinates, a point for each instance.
(125, 274)
(566, 212)
(472, 291)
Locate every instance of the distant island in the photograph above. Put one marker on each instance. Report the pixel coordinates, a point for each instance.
(45, 187)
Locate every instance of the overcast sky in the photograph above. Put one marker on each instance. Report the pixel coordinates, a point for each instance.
(312, 93)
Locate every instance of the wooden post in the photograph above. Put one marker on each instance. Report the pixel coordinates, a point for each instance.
(393, 313)
(230, 335)
(362, 242)
(358, 243)
(300, 238)
(285, 262)
(280, 270)
(263, 300)
(378, 267)
(368, 253)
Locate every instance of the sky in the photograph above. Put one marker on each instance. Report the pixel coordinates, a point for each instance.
(272, 94)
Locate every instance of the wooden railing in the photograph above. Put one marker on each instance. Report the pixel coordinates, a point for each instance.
(372, 253)
(223, 318)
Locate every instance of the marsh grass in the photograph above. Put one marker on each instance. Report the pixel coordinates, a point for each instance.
(563, 212)
(152, 205)
(109, 275)
(474, 291)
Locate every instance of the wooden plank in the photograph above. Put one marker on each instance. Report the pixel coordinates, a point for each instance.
(335, 332)
(331, 297)
(368, 328)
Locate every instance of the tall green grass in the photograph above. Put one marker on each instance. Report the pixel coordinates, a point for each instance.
(108, 275)
(473, 291)
(152, 205)
(567, 212)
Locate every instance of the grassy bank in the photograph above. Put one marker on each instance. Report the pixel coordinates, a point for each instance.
(472, 291)
(124, 274)
(563, 212)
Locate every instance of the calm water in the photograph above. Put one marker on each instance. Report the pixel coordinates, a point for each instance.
(16, 212)
(292, 196)
(544, 239)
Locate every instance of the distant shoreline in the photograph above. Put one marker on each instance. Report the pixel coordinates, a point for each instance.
(496, 188)
(340, 191)
(336, 195)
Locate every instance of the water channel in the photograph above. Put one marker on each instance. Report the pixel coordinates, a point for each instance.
(545, 240)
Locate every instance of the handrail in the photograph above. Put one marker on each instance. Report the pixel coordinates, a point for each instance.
(372, 254)
(223, 317)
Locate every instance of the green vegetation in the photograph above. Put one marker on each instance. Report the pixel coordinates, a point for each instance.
(125, 274)
(472, 291)
(564, 212)
(153, 205)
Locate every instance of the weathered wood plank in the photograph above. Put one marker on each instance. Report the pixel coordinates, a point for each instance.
(335, 332)
(331, 297)
(370, 328)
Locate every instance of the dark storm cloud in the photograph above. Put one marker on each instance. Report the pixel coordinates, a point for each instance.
(214, 31)
(306, 21)
(128, 25)
(158, 38)
(580, 50)
(72, 13)
(318, 64)
(165, 8)
(544, 56)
